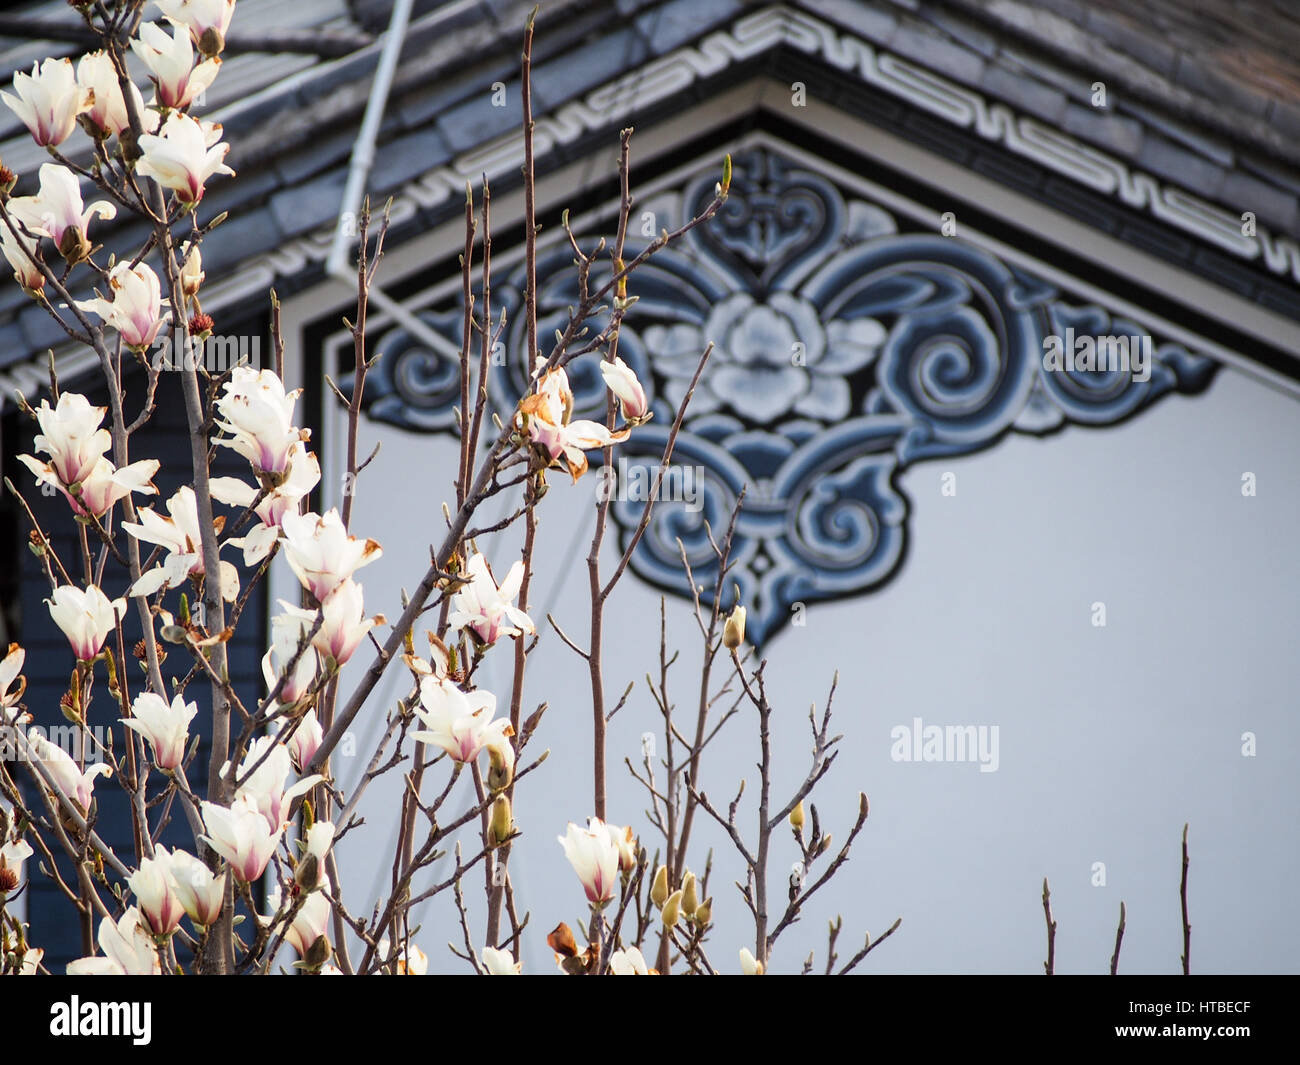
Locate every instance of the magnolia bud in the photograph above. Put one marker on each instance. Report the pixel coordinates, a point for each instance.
(672, 909)
(750, 965)
(690, 897)
(796, 817)
(211, 42)
(74, 246)
(317, 954)
(733, 632)
(659, 890)
(192, 272)
(307, 875)
(704, 912)
(502, 823)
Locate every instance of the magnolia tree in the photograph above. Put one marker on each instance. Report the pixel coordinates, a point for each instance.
(257, 876)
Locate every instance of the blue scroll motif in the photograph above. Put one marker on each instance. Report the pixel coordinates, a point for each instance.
(845, 351)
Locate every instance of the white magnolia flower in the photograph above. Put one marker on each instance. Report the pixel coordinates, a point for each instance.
(306, 740)
(267, 766)
(288, 630)
(461, 723)
(412, 961)
(321, 553)
(12, 857)
(180, 157)
(167, 728)
(310, 923)
(30, 963)
(620, 380)
(135, 310)
(86, 617)
(500, 962)
(179, 534)
(71, 436)
(201, 891)
(242, 836)
(48, 101)
(284, 498)
(105, 486)
(108, 111)
(128, 949)
(11, 668)
(69, 778)
(63, 217)
(258, 413)
(545, 417)
(486, 608)
(206, 20)
(343, 625)
(19, 248)
(155, 890)
(594, 857)
(628, 962)
(749, 965)
(170, 59)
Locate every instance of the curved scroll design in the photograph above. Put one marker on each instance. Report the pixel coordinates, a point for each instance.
(845, 350)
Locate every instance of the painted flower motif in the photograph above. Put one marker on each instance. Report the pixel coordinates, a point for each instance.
(48, 101)
(459, 722)
(167, 728)
(179, 534)
(486, 608)
(769, 359)
(183, 155)
(594, 855)
(128, 949)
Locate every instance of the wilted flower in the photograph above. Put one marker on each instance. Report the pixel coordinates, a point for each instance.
(201, 891)
(108, 112)
(487, 609)
(459, 722)
(135, 310)
(155, 889)
(620, 380)
(320, 551)
(500, 962)
(180, 535)
(48, 101)
(170, 59)
(69, 779)
(180, 157)
(63, 216)
(128, 949)
(167, 728)
(628, 962)
(258, 414)
(594, 856)
(241, 835)
(12, 856)
(85, 616)
(545, 417)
